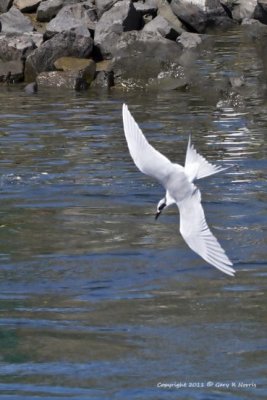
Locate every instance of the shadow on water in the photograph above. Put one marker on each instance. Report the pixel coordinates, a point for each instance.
(97, 299)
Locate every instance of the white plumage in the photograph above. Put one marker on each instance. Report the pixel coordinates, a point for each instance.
(180, 189)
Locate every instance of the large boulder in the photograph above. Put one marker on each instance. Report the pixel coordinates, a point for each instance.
(165, 10)
(70, 43)
(103, 6)
(198, 15)
(73, 16)
(140, 55)
(27, 6)
(120, 18)
(14, 21)
(48, 9)
(5, 5)
(16, 47)
(161, 26)
(261, 11)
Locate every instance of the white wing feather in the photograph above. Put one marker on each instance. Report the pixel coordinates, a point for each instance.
(150, 161)
(196, 166)
(196, 233)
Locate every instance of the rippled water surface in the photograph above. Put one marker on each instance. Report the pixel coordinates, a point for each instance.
(97, 299)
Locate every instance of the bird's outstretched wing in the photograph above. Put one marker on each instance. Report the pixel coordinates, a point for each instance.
(196, 233)
(150, 161)
(196, 166)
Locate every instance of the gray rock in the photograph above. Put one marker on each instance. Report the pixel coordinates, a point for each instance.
(261, 11)
(120, 18)
(189, 40)
(161, 26)
(103, 6)
(243, 9)
(14, 21)
(5, 5)
(143, 55)
(48, 9)
(148, 7)
(73, 16)
(70, 43)
(31, 88)
(62, 79)
(198, 15)
(16, 47)
(165, 10)
(11, 71)
(27, 6)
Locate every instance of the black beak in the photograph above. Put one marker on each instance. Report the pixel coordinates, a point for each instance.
(157, 214)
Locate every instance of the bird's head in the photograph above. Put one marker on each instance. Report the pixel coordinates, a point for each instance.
(161, 205)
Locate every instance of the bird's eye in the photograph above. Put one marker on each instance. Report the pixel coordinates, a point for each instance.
(162, 206)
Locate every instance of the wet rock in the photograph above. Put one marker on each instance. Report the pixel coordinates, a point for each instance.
(120, 18)
(197, 15)
(63, 79)
(85, 65)
(31, 88)
(5, 5)
(189, 40)
(160, 25)
(48, 9)
(70, 43)
(103, 6)
(11, 71)
(27, 6)
(14, 21)
(73, 16)
(129, 51)
(104, 75)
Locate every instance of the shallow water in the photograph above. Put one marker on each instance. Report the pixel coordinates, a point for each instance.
(97, 299)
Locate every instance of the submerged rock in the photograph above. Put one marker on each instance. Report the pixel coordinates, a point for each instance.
(11, 71)
(31, 88)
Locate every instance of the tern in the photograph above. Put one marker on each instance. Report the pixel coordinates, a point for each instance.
(178, 181)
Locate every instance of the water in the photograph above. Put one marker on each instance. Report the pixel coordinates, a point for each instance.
(97, 299)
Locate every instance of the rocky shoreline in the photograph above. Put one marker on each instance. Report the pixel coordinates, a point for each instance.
(101, 43)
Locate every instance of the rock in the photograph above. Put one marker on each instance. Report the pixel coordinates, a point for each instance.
(70, 43)
(73, 16)
(5, 5)
(148, 7)
(197, 15)
(14, 21)
(11, 71)
(161, 26)
(261, 11)
(120, 18)
(142, 55)
(27, 6)
(243, 9)
(103, 6)
(62, 79)
(104, 75)
(87, 66)
(16, 47)
(31, 88)
(164, 9)
(189, 40)
(48, 9)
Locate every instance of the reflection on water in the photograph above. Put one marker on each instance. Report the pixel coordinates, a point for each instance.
(98, 300)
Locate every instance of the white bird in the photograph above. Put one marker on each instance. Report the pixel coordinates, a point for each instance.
(180, 190)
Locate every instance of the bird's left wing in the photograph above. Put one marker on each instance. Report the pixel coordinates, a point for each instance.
(150, 161)
(196, 233)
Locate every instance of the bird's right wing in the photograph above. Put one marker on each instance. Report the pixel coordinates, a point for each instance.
(150, 161)
(196, 233)
(196, 166)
